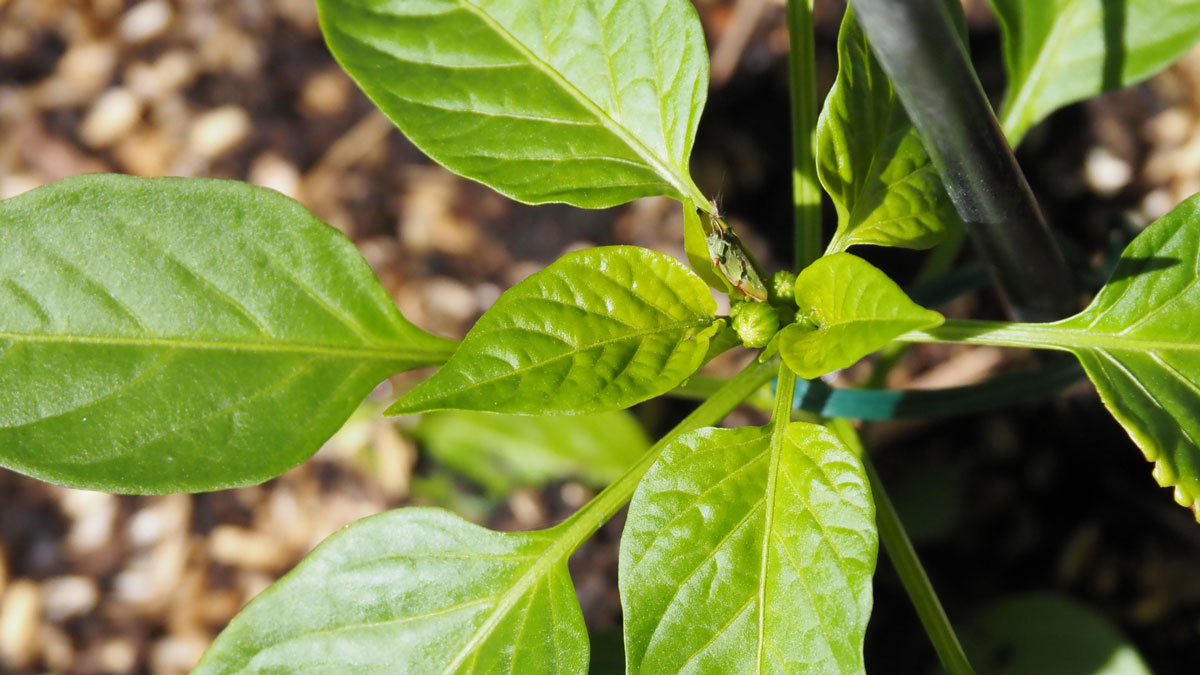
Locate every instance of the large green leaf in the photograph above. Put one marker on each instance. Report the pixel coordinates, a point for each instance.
(598, 329)
(504, 452)
(589, 103)
(1061, 51)
(850, 309)
(870, 158)
(165, 335)
(414, 591)
(1046, 633)
(748, 553)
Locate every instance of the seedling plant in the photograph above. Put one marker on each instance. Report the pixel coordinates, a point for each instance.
(187, 335)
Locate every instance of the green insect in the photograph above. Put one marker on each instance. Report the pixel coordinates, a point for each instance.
(733, 262)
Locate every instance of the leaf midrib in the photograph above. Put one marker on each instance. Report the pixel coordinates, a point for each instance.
(679, 183)
(379, 353)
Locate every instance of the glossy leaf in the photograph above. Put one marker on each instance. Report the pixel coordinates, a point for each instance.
(1046, 633)
(1061, 51)
(593, 104)
(415, 591)
(852, 309)
(168, 335)
(723, 570)
(1140, 344)
(504, 452)
(598, 329)
(870, 158)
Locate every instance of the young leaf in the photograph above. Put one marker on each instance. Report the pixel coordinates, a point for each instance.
(722, 570)
(414, 590)
(504, 452)
(1061, 51)
(870, 158)
(598, 329)
(592, 104)
(852, 309)
(1046, 633)
(180, 335)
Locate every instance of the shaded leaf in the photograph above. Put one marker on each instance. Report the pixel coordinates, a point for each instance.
(723, 569)
(1061, 51)
(504, 452)
(593, 104)
(870, 158)
(1046, 633)
(180, 335)
(598, 329)
(414, 590)
(851, 309)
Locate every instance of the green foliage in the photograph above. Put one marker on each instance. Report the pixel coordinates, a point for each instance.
(593, 104)
(1045, 633)
(415, 591)
(1138, 343)
(748, 551)
(599, 329)
(870, 158)
(505, 452)
(181, 335)
(848, 309)
(1061, 51)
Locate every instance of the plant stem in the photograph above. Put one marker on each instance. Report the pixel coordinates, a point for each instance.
(912, 575)
(584, 522)
(806, 190)
(916, 583)
(1001, 334)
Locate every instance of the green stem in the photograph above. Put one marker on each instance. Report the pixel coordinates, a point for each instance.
(806, 189)
(912, 575)
(576, 529)
(916, 583)
(1001, 334)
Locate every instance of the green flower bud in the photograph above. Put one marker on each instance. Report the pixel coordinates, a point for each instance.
(756, 323)
(783, 286)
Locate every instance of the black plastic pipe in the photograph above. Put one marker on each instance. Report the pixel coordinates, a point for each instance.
(918, 47)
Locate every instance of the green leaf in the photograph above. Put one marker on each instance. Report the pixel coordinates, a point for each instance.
(414, 590)
(746, 554)
(852, 309)
(167, 335)
(1046, 633)
(599, 329)
(1061, 51)
(592, 104)
(870, 158)
(504, 452)
(1140, 344)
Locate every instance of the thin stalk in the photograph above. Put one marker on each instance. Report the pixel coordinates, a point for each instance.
(916, 583)
(1003, 334)
(908, 566)
(584, 522)
(806, 189)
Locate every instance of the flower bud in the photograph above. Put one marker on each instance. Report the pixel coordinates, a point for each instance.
(783, 287)
(756, 323)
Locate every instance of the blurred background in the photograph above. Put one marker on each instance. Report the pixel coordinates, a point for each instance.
(1048, 498)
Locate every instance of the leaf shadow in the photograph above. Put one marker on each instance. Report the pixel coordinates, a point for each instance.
(1133, 266)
